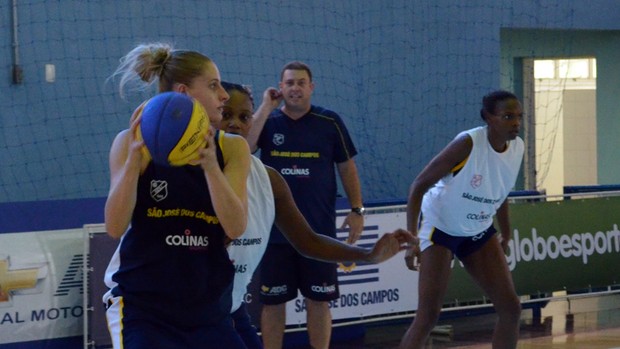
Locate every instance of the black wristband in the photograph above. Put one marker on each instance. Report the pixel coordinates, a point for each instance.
(359, 210)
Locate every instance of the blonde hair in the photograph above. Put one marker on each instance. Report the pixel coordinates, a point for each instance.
(159, 63)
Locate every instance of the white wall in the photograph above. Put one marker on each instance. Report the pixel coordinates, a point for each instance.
(565, 135)
(580, 165)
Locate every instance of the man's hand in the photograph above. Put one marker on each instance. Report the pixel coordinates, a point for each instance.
(355, 222)
(271, 98)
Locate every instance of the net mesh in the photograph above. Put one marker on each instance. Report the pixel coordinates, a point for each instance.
(406, 76)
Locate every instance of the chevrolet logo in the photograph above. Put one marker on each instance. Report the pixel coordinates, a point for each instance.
(18, 279)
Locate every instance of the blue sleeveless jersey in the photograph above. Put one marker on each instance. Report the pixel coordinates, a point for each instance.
(305, 152)
(173, 262)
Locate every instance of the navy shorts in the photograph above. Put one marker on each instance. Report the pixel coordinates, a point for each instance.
(131, 328)
(284, 271)
(245, 328)
(461, 246)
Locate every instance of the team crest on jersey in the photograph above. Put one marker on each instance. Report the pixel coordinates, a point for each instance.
(159, 190)
(346, 268)
(278, 139)
(476, 181)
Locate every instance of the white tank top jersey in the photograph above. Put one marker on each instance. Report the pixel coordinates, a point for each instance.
(113, 265)
(464, 202)
(247, 251)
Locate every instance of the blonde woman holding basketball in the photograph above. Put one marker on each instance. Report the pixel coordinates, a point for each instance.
(163, 294)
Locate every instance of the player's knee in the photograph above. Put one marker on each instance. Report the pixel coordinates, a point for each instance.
(509, 308)
(425, 320)
(425, 324)
(317, 307)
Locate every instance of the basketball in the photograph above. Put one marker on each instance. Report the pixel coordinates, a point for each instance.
(173, 127)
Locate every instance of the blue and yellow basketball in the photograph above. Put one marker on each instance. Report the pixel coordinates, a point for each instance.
(173, 127)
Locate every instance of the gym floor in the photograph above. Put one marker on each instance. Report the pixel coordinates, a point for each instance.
(579, 323)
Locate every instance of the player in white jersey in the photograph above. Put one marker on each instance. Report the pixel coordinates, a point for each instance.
(450, 208)
(270, 201)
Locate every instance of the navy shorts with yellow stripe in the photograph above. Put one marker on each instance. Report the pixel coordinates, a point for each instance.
(461, 246)
(132, 328)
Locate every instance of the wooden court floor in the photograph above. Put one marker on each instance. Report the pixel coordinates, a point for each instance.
(583, 323)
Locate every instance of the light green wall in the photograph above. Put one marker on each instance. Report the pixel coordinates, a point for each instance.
(605, 47)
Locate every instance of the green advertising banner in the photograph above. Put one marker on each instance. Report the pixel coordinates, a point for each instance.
(567, 245)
